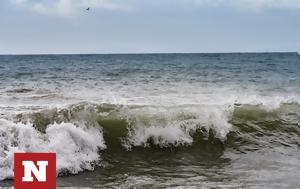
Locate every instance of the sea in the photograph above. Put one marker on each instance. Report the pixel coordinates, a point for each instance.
(207, 120)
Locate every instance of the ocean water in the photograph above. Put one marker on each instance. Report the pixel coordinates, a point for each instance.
(155, 120)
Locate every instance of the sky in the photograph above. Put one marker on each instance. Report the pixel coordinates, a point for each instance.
(148, 26)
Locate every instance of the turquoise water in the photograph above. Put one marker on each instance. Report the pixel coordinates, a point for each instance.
(155, 120)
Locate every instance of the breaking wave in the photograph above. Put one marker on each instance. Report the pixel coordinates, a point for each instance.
(81, 133)
(77, 147)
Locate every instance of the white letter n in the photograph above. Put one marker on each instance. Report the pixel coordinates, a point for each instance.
(29, 167)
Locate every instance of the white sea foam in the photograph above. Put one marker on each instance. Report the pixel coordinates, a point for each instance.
(174, 126)
(181, 93)
(76, 147)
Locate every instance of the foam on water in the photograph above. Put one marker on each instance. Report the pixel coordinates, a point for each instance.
(247, 100)
(76, 147)
(174, 126)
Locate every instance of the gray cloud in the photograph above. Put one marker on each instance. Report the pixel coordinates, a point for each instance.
(69, 8)
(249, 4)
(66, 8)
(122, 26)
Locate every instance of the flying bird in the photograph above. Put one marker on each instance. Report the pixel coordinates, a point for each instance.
(88, 9)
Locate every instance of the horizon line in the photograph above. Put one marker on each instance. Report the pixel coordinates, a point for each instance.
(145, 53)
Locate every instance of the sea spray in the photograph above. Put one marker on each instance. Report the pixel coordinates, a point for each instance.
(174, 126)
(185, 120)
(77, 147)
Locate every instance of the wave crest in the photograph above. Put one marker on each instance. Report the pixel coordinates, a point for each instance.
(174, 126)
(75, 133)
(77, 147)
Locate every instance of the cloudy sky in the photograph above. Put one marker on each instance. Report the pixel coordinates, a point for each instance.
(141, 26)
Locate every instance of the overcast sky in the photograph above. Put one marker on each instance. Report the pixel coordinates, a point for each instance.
(141, 26)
